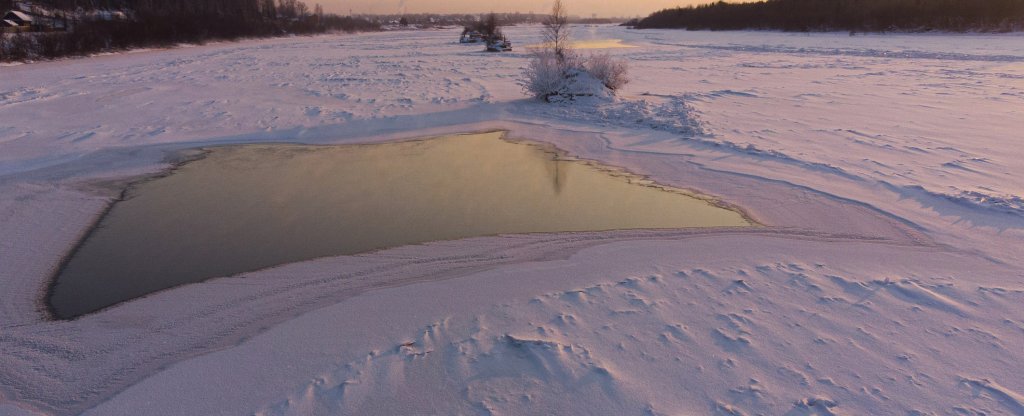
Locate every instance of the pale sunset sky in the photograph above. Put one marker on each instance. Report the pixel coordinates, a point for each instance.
(585, 8)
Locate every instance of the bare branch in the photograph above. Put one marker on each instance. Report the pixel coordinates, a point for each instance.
(556, 29)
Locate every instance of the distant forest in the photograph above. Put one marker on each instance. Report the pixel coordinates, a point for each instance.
(846, 15)
(150, 23)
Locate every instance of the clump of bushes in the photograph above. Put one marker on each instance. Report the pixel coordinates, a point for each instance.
(610, 71)
(15, 47)
(552, 77)
(556, 72)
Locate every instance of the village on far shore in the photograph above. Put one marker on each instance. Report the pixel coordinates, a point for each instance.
(31, 17)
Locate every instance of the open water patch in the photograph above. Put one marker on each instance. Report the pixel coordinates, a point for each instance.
(243, 208)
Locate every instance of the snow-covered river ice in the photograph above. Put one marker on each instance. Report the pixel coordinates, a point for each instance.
(886, 172)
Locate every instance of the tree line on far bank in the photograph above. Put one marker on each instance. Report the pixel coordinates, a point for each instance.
(846, 15)
(168, 22)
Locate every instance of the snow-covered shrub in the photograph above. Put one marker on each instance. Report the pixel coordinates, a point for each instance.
(554, 78)
(611, 71)
(545, 74)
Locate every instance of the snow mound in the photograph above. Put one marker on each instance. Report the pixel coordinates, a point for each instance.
(671, 114)
(579, 84)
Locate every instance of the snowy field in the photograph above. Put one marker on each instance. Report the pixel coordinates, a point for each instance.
(887, 170)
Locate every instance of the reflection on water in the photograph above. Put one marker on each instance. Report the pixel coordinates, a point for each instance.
(588, 44)
(244, 208)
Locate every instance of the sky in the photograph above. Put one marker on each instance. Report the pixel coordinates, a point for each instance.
(584, 8)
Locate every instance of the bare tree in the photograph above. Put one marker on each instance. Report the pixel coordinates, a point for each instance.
(557, 73)
(488, 26)
(268, 9)
(287, 8)
(556, 30)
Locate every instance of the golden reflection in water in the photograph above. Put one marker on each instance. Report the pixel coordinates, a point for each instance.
(588, 44)
(243, 208)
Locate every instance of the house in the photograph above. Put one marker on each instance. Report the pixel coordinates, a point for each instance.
(20, 19)
(16, 21)
(41, 21)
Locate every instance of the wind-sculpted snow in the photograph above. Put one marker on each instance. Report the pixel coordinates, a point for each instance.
(1010, 203)
(1012, 400)
(768, 338)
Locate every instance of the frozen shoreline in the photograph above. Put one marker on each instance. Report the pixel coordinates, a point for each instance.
(784, 133)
